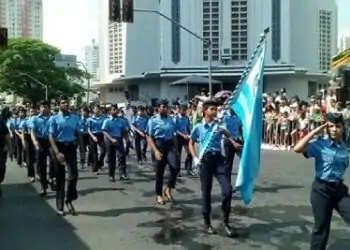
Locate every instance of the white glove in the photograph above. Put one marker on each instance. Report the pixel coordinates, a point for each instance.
(196, 161)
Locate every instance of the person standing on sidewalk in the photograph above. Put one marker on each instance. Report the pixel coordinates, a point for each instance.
(5, 146)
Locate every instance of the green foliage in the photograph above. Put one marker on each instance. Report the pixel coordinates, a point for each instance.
(25, 59)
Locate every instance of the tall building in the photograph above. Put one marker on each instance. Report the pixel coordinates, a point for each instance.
(23, 18)
(302, 32)
(91, 59)
(129, 49)
(344, 42)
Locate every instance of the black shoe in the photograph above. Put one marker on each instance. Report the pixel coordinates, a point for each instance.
(209, 229)
(43, 192)
(229, 231)
(111, 179)
(124, 177)
(61, 213)
(71, 208)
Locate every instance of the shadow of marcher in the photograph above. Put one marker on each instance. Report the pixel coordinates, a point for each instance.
(28, 222)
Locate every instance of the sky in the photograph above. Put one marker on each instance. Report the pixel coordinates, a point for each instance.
(70, 25)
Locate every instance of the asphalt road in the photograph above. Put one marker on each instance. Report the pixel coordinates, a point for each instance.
(123, 216)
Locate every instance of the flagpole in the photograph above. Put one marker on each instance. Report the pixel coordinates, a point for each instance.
(210, 52)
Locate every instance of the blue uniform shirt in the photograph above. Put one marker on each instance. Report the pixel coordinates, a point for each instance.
(140, 122)
(200, 133)
(183, 124)
(162, 128)
(39, 124)
(331, 160)
(114, 126)
(23, 125)
(12, 123)
(64, 127)
(95, 124)
(83, 124)
(232, 124)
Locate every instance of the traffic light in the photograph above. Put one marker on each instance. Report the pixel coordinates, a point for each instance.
(128, 11)
(3, 37)
(114, 11)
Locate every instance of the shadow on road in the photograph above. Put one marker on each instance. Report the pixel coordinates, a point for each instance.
(276, 188)
(28, 222)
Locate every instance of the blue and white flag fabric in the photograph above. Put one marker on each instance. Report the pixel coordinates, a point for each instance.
(248, 107)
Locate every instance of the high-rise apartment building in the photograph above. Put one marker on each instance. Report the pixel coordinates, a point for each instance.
(344, 42)
(91, 59)
(129, 49)
(23, 18)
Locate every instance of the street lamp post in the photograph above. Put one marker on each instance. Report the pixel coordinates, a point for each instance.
(207, 42)
(38, 82)
(88, 83)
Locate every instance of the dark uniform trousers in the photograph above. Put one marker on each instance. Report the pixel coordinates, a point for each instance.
(180, 144)
(69, 150)
(3, 156)
(13, 146)
(41, 160)
(213, 164)
(97, 160)
(140, 146)
(30, 154)
(326, 196)
(19, 150)
(114, 152)
(84, 143)
(167, 148)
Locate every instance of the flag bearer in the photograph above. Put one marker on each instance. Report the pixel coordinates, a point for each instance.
(160, 136)
(114, 129)
(40, 138)
(328, 190)
(63, 132)
(212, 164)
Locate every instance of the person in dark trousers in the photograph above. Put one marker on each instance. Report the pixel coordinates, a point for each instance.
(160, 136)
(28, 146)
(12, 124)
(182, 138)
(95, 123)
(233, 146)
(5, 147)
(212, 164)
(18, 137)
(38, 127)
(114, 129)
(139, 125)
(328, 191)
(63, 132)
(83, 136)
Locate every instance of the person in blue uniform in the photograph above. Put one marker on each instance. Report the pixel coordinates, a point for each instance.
(233, 146)
(126, 136)
(63, 132)
(5, 146)
(160, 136)
(83, 136)
(114, 130)
(328, 191)
(11, 124)
(212, 164)
(18, 137)
(139, 125)
(38, 127)
(182, 137)
(28, 146)
(95, 123)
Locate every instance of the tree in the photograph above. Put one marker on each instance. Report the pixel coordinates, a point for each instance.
(26, 63)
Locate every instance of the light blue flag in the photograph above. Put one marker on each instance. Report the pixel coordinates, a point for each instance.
(248, 107)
